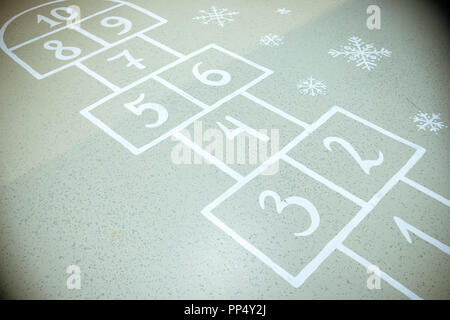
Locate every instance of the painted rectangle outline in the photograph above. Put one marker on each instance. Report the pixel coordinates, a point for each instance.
(221, 165)
(206, 109)
(40, 76)
(266, 72)
(336, 241)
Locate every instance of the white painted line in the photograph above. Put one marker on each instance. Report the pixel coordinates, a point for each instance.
(397, 177)
(324, 181)
(25, 65)
(169, 133)
(90, 55)
(274, 158)
(61, 28)
(160, 45)
(406, 228)
(148, 13)
(91, 36)
(122, 90)
(275, 110)
(248, 246)
(427, 191)
(266, 73)
(8, 51)
(133, 149)
(181, 92)
(98, 77)
(323, 118)
(110, 132)
(39, 76)
(379, 129)
(238, 57)
(271, 160)
(330, 247)
(394, 283)
(219, 164)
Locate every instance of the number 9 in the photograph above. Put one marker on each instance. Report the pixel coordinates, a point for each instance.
(119, 22)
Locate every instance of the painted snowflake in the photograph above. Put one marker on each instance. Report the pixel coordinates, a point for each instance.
(364, 55)
(217, 16)
(311, 87)
(283, 11)
(271, 40)
(433, 122)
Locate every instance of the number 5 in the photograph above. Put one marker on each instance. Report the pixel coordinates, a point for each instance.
(160, 110)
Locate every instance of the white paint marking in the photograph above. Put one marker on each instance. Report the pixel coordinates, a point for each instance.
(326, 182)
(39, 76)
(248, 246)
(66, 26)
(280, 205)
(275, 110)
(98, 77)
(427, 191)
(379, 129)
(148, 13)
(394, 283)
(240, 128)
(331, 246)
(181, 92)
(266, 73)
(219, 164)
(91, 36)
(405, 228)
(160, 45)
(110, 132)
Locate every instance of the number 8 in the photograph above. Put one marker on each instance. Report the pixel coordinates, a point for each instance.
(203, 77)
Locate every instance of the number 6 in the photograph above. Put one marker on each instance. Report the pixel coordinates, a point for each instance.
(203, 77)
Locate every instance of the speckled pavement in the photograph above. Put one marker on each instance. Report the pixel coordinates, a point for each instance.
(119, 178)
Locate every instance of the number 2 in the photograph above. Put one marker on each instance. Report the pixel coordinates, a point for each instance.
(365, 165)
(301, 202)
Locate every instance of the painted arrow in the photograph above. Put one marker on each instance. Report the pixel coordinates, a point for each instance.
(405, 228)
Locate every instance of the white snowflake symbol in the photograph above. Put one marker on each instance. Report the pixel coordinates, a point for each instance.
(425, 121)
(364, 55)
(283, 11)
(311, 87)
(218, 16)
(271, 40)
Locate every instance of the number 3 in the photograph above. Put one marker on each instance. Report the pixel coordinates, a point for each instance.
(301, 202)
(160, 110)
